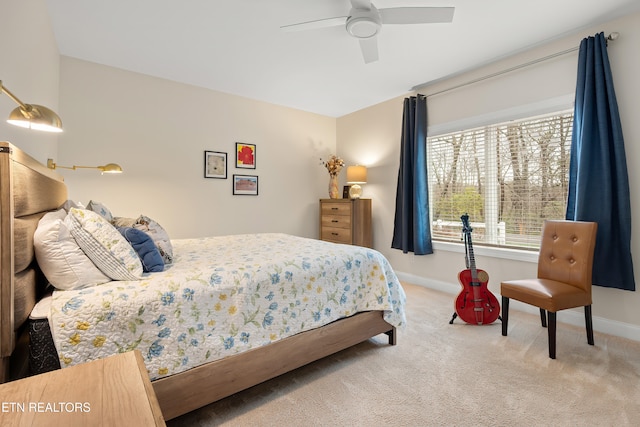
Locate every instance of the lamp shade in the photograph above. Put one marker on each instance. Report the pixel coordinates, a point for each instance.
(357, 174)
(35, 117)
(110, 168)
(32, 116)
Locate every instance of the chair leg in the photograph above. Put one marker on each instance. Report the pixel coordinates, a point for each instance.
(589, 323)
(543, 317)
(505, 315)
(551, 330)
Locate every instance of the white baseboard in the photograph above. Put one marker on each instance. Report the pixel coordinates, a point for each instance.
(571, 317)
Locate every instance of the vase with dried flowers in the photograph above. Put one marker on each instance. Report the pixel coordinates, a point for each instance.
(334, 165)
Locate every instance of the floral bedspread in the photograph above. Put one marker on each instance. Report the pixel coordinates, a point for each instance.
(222, 296)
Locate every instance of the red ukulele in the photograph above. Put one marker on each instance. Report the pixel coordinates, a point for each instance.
(475, 304)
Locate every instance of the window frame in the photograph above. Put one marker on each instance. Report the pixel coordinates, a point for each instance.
(515, 113)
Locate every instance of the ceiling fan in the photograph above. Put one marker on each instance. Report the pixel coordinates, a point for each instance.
(364, 22)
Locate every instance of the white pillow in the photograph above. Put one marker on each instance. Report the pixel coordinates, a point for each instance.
(104, 245)
(62, 261)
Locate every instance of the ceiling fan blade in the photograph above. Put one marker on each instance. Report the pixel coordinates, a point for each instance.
(416, 15)
(312, 25)
(361, 4)
(369, 48)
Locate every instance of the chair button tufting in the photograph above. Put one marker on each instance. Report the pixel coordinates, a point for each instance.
(575, 239)
(552, 257)
(571, 261)
(555, 237)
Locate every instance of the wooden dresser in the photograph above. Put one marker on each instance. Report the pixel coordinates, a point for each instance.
(346, 221)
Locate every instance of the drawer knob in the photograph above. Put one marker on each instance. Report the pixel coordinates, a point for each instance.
(334, 220)
(334, 234)
(334, 209)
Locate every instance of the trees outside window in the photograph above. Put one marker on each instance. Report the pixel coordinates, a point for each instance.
(509, 177)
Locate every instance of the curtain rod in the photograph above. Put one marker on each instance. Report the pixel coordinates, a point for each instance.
(611, 36)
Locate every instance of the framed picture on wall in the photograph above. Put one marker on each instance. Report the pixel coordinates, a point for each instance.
(245, 185)
(245, 155)
(215, 164)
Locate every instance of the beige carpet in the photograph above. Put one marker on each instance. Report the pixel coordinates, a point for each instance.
(453, 375)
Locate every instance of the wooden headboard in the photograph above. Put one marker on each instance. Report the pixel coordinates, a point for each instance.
(28, 189)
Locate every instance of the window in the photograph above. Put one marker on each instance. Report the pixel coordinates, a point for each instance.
(509, 177)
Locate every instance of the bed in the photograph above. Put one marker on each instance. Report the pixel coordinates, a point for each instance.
(280, 311)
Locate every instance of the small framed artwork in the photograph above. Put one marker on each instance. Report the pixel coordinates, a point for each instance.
(246, 185)
(345, 191)
(245, 156)
(215, 164)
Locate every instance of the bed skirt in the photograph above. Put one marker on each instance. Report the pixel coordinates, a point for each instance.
(43, 356)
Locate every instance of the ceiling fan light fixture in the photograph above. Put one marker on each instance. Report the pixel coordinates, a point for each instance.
(364, 24)
(362, 27)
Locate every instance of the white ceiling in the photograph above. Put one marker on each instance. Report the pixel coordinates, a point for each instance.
(237, 47)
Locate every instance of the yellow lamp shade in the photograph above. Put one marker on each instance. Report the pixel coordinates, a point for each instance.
(357, 174)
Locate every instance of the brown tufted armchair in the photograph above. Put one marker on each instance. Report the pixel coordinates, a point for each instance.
(564, 276)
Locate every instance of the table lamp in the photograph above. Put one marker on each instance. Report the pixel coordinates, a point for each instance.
(356, 175)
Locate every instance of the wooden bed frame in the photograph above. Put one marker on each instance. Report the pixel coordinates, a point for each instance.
(28, 189)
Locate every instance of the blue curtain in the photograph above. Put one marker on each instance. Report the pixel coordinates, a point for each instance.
(598, 181)
(411, 230)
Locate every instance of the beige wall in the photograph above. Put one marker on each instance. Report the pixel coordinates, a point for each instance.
(365, 136)
(158, 130)
(29, 68)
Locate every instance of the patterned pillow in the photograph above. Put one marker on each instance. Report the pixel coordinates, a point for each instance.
(60, 258)
(142, 243)
(120, 221)
(71, 204)
(159, 236)
(100, 209)
(104, 245)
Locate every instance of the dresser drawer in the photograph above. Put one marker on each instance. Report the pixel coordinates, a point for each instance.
(337, 221)
(346, 221)
(329, 208)
(338, 235)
